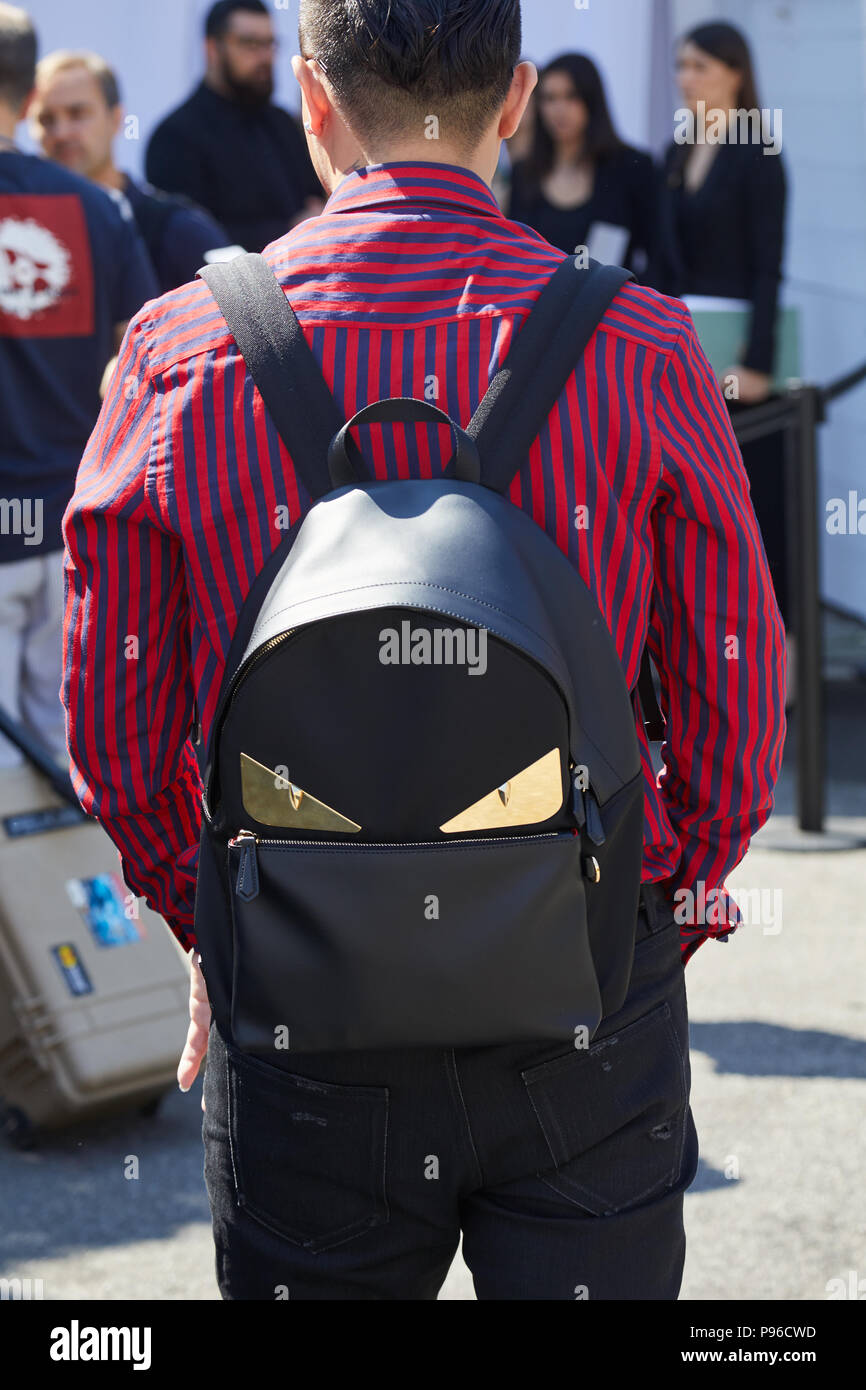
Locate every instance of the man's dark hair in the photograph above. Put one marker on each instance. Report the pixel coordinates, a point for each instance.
(17, 55)
(218, 15)
(391, 66)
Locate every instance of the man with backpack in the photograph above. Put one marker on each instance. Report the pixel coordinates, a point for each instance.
(437, 902)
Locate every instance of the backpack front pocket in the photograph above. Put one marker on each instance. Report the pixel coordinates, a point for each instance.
(343, 946)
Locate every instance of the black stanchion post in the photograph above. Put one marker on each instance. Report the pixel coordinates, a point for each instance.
(801, 442)
(798, 414)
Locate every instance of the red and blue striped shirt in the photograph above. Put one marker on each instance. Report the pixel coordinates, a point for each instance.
(412, 276)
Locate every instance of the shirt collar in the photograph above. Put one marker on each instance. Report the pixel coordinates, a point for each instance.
(407, 181)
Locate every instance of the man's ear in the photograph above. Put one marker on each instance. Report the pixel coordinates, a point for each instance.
(315, 103)
(116, 120)
(27, 103)
(523, 83)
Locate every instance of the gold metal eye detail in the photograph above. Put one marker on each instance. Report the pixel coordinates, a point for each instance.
(274, 800)
(533, 795)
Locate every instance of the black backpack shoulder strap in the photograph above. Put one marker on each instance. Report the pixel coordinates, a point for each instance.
(525, 389)
(280, 362)
(540, 360)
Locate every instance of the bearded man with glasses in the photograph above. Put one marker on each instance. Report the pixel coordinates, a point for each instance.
(229, 147)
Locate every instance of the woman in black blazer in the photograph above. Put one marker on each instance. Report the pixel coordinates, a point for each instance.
(579, 173)
(721, 233)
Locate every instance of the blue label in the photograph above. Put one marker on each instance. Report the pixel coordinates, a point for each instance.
(107, 907)
(76, 977)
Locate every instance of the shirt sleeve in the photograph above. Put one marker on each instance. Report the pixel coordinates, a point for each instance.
(717, 640)
(127, 688)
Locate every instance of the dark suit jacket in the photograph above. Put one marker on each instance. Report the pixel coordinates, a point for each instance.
(727, 237)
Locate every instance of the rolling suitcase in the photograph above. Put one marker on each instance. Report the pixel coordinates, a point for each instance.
(93, 986)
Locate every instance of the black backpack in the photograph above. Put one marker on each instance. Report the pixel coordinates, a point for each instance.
(423, 806)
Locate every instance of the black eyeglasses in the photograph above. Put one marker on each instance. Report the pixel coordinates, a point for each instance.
(252, 45)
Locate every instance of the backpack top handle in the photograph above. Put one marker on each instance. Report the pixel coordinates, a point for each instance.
(345, 467)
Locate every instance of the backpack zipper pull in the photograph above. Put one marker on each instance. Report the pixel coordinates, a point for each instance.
(247, 881)
(586, 811)
(578, 801)
(594, 823)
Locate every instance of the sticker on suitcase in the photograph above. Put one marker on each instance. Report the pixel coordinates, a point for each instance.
(106, 905)
(76, 977)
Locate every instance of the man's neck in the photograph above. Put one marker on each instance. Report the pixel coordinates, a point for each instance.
(109, 176)
(8, 122)
(416, 154)
(215, 83)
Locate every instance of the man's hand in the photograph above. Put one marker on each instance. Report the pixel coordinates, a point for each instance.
(199, 1025)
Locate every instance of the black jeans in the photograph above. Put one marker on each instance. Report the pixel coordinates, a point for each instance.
(352, 1175)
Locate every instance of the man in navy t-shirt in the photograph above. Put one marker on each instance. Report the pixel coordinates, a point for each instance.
(73, 271)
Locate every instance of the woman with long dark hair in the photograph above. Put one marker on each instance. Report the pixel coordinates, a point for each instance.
(721, 216)
(580, 180)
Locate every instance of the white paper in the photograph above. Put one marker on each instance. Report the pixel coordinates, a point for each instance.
(607, 243)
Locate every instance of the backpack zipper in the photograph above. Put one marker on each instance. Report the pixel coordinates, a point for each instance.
(247, 835)
(247, 880)
(224, 710)
(263, 650)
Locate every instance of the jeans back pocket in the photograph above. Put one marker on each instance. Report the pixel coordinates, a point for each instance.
(614, 1114)
(309, 1156)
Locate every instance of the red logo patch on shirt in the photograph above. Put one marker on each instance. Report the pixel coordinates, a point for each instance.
(46, 272)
